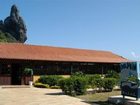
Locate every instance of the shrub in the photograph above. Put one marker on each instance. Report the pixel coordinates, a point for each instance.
(91, 79)
(51, 80)
(132, 79)
(73, 86)
(78, 74)
(80, 85)
(99, 83)
(67, 86)
(112, 74)
(40, 85)
(28, 71)
(42, 79)
(55, 87)
(109, 83)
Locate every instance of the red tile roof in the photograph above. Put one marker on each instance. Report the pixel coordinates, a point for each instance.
(47, 53)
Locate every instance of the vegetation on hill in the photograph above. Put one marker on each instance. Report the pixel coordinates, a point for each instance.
(6, 37)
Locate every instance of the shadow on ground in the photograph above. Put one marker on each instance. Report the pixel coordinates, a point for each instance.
(101, 103)
(59, 93)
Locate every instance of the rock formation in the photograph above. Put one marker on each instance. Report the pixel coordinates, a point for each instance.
(14, 25)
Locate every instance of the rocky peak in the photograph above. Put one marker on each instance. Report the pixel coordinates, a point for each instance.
(14, 25)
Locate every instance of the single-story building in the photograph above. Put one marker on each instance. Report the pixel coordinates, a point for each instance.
(47, 60)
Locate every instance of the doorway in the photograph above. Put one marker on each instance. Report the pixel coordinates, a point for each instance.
(16, 74)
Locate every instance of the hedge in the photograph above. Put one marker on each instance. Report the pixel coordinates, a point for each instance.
(91, 79)
(73, 86)
(67, 86)
(109, 83)
(51, 80)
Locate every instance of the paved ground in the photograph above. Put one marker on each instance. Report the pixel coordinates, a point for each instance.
(128, 100)
(36, 96)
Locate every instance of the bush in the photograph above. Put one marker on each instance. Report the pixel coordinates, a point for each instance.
(78, 74)
(80, 85)
(132, 79)
(40, 85)
(112, 74)
(55, 87)
(109, 83)
(28, 71)
(73, 86)
(99, 83)
(91, 79)
(67, 86)
(51, 80)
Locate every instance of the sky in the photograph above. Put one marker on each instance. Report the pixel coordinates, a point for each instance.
(112, 25)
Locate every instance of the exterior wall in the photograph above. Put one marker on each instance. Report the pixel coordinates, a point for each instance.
(5, 76)
(36, 77)
(51, 68)
(5, 80)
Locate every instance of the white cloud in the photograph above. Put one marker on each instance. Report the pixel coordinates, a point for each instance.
(134, 54)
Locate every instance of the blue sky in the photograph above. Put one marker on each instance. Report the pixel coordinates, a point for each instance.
(112, 25)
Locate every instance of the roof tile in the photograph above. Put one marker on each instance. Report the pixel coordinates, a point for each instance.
(48, 53)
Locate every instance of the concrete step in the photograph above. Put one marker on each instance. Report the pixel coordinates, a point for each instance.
(14, 86)
(126, 101)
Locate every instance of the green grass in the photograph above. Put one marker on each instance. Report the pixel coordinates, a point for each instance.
(100, 98)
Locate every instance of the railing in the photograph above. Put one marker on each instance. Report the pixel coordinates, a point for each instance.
(131, 89)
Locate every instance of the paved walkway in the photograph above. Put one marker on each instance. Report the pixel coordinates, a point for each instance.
(36, 96)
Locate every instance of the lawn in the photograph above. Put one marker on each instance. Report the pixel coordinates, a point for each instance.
(100, 98)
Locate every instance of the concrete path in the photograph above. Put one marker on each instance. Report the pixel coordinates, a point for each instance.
(36, 96)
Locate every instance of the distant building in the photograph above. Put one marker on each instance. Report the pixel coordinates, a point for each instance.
(46, 60)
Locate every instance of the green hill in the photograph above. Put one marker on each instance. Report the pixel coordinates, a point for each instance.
(6, 37)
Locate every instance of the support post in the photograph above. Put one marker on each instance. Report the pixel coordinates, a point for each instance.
(102, 70)
(71, 68)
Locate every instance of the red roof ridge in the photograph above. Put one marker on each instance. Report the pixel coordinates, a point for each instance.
(51, 53)
(27, 44)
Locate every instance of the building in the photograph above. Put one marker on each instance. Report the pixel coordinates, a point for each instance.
(46, 60)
